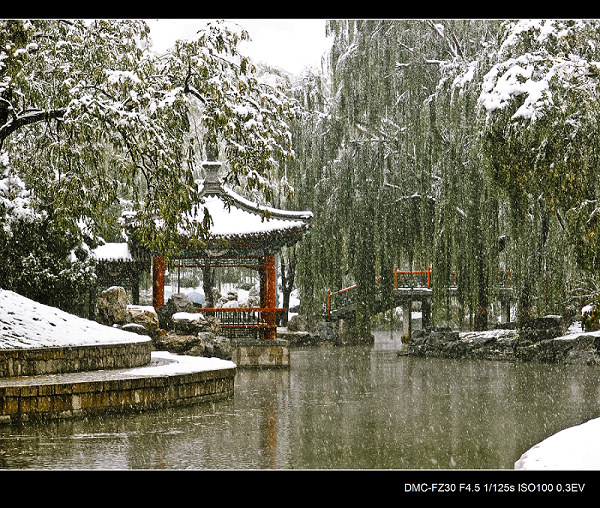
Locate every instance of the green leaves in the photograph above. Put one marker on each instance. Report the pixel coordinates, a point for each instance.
(91, 116)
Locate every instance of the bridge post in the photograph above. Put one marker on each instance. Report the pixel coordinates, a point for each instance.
(406, 315)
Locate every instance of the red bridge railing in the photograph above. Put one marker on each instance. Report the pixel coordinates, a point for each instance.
(421, 279)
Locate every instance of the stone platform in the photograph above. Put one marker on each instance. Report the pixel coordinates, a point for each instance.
(254, 353)
(56, 365)
(168, 380)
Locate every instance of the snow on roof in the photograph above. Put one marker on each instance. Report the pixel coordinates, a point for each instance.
(28, 324)
(113, 252)
(232, 220)
(305, 214)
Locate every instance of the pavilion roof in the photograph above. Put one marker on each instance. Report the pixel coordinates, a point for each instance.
(236, 223)
(235, 218)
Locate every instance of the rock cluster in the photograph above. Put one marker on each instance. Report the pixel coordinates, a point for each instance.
(112, 310)
(196, 335)
(176, 327)
(541, 340)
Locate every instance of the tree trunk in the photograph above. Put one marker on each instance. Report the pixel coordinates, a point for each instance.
(287, 283)
(208, 284)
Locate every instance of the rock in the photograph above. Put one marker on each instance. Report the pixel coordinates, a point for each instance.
(178, 302)
(187, 323)
(202, 344)
(178, 344)
(443, 336)
(164, 318)
(145, 316)
(112, 306)
(328, 332)
(135, 328)
(302, 338)
(193, 323)
(221, 347)
(297, 323)
(543, 328)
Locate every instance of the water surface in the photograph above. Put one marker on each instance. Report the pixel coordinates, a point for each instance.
(360, 407)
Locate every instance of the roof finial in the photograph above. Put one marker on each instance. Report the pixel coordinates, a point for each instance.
(212, 182)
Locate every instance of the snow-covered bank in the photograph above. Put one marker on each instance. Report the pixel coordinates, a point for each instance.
(572, 448)
(28, 324)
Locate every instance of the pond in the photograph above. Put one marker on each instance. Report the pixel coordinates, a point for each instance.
(358, 407)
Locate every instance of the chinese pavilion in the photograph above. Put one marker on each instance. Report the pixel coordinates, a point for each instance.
(242, 234)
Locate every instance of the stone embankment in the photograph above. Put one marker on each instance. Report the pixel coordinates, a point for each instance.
(545, 339)
(55, 365)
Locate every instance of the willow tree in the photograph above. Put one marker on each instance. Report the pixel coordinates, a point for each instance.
(379, 184)
(540, 107)
(407, 186)
(468, 226)
(320, 264)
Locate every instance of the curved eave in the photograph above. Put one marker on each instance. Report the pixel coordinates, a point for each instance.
(232, 198)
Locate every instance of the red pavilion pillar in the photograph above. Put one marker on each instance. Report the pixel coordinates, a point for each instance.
(268, 288)
(158, 281)
(271, 292)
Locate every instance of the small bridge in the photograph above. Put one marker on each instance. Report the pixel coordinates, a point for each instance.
(409, 286)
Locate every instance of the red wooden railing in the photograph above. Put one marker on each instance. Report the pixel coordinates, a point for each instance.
(405, 279)
(261, 320)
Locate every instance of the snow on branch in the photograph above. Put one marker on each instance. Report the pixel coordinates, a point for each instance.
(28, 119)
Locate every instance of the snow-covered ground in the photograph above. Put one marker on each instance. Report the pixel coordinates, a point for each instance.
(28, 324)
(169, 364)
(572, 448)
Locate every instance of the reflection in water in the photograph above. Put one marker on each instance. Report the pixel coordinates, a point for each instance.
(343, 407)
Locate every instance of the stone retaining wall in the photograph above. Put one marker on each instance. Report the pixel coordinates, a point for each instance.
(260, 353)
(55, 360)
(45, 400)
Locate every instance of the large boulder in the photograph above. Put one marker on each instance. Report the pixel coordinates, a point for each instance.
(297, 323)
(146, 316)
(186, 323)
(179, 302)
(111, 306)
